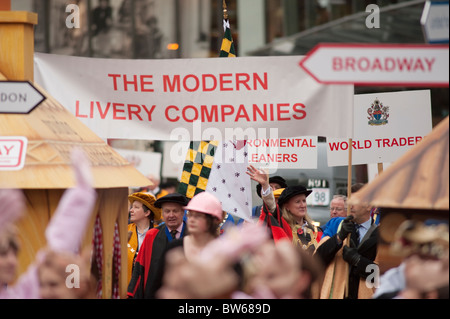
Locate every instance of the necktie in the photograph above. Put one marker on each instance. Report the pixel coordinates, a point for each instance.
(173, 233)
(357, 227)
(355, 235)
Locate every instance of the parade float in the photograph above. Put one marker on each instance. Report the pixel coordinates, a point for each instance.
(45, 136)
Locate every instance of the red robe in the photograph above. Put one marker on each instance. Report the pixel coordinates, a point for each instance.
(278, 227)
(146, 279)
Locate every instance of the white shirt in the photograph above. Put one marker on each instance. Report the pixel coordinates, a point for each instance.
(363, 228)
(141, 237)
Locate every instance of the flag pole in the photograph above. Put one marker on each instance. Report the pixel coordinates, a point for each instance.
(225, 11)
(349, 173)
(349, 193)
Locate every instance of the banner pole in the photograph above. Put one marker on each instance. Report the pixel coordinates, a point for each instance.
(225, 11)
(349, 192)
(349, 173)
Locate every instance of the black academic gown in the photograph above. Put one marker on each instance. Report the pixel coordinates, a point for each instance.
(145, 279)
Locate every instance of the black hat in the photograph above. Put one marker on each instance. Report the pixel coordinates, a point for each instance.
(172, 198)
(274, 179)
(290, 192)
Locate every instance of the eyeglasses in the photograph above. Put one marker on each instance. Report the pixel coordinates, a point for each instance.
(339, 209)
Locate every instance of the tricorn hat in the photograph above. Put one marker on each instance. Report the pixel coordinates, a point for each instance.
(172, 198)
(292, 191)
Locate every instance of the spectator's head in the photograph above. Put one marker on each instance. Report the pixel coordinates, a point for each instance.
(172, 209)
(143, 206)
(9, 248)
(204, 214)
(65, 276)
(360, 211)
(338, 206)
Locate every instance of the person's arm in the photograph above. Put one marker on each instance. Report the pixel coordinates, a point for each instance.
(261, 177)
(359, 262)
(328, 249)
(268, 198)
(67, 226)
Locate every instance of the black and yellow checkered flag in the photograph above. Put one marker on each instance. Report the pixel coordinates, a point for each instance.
(200, 156)
(227, 48)
(197, 167)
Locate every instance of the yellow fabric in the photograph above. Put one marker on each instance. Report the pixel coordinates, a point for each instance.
(278, 192)
(336, 276)
(131, 248)
(162, 193)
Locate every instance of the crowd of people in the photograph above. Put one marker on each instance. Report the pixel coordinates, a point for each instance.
(179, 248)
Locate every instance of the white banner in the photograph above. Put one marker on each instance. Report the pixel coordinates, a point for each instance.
(386, 126)
(196, 99)
(292, 153)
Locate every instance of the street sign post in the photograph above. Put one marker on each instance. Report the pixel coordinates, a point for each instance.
(19, 97)
(381, 64)
(434, 21)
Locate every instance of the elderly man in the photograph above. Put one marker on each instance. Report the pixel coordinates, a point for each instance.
(338, 206)
(144, 281)
(338, 211)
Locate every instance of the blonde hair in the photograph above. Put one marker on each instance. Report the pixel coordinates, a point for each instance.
(289, 218)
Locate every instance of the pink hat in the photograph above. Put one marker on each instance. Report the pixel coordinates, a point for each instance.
(206, 203)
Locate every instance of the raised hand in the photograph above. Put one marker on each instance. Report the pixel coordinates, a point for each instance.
(82, 168)
(258, 175)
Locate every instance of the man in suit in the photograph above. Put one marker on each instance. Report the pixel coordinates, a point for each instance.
(356, 253)
(144, 280)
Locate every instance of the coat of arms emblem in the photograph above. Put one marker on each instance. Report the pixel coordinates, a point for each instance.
(378, 113)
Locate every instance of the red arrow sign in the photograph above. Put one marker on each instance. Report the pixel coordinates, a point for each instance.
(386, 65)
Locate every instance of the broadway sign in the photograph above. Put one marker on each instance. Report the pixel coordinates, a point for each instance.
(385, 64)
(196, 99)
